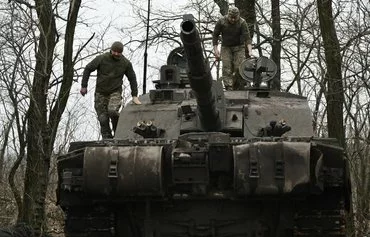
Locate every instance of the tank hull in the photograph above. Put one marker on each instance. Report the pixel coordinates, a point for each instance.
(133, 188)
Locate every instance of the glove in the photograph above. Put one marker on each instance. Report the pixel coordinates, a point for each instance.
(136, 100)
(83, 91)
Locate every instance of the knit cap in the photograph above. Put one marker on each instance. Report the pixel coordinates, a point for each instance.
(233, 11)
(117, 47)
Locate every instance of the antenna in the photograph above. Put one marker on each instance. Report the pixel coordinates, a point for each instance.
(146, 49)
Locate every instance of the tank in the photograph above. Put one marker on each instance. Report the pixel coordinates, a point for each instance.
(197, 161)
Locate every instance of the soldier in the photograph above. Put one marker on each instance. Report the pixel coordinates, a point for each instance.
(235, 35)
(111, 67)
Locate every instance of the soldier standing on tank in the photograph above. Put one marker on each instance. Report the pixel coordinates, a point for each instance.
(235, 35)
(111, 68)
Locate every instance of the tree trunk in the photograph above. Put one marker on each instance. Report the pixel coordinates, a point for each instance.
(276, 43)
(38, 135)
(334, 94)
(5, 134)
(248, 12)
(41, 130)
(68, 65)
(223, 5)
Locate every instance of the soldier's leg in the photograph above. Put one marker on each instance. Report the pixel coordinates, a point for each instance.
(227, 77)
(239, 56)
(115, 102)
(101, 108)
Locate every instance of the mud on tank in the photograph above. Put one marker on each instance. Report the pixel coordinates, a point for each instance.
(196, 161)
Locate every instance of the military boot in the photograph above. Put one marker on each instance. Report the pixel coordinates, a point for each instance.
(114, 120)
(106, 132)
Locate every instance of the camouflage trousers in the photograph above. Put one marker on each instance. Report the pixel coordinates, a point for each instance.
(107, 108)
(231, 58)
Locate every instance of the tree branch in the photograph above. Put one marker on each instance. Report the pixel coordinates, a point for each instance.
(22, 2)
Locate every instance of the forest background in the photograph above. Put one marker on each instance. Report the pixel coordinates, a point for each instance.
(322, 49)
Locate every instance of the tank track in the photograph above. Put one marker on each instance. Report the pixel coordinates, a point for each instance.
(85, 222)
(321, 217)
(314, 218)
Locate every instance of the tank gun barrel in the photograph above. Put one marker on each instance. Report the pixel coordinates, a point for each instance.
(199, 74)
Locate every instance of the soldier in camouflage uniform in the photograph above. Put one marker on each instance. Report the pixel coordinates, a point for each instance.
(235, 35)
(111, 67)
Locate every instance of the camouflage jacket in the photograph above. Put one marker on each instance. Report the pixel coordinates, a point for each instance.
(232, 34)
(110, 74)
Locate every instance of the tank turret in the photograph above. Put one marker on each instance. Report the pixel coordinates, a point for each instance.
(199, 74)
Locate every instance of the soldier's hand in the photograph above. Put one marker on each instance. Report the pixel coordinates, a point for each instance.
(83, 91)
(136, 100)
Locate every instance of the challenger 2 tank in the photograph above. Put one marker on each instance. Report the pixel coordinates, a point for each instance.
(197, 161)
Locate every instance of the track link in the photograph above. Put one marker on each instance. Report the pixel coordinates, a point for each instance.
(321, 218)
(89, 223)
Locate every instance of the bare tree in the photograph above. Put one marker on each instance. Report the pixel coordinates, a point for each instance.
(42, 121)
(248, 12)
(14, 83)
(356, 71)
(47, 97)
(333, 75)
(276, 42)
(3, 144)
(22, 38)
